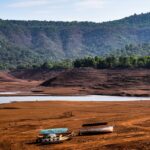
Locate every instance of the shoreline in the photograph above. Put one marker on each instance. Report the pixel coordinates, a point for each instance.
(72, 91)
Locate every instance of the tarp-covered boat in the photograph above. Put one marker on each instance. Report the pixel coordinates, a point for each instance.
(54, 131)
(100, 130)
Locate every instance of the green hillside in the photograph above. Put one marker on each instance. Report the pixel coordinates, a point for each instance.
(34, 42)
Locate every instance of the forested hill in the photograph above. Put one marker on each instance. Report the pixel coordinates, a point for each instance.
(33, 42)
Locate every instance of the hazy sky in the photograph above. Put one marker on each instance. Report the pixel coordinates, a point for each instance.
(70, 10)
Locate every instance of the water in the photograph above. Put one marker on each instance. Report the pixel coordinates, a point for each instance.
(10, 93)
(96, 98)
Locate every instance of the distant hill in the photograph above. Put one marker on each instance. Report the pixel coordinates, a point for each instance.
(33, 42)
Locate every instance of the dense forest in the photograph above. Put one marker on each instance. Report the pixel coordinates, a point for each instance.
(32, 43)
(120, 58)
(96, 62)
(113, 62)
(110, 62)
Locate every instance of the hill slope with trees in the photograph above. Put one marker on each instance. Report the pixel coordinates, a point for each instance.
(34, 42)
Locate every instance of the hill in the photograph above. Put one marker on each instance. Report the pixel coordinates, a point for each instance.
(78, 81)
(34, 42)
(107, 82)
(6, 77)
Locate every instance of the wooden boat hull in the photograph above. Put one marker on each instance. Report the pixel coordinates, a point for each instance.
(94, 124)
(101, 130)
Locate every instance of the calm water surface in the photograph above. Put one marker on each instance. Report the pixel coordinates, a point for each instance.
(9, 99)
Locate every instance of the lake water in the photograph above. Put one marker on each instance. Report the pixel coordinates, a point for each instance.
(96, 98)
(10, 93)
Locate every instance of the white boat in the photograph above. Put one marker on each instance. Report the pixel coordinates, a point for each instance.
(101, 130)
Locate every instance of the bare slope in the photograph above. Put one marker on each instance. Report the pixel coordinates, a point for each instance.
(6, 77)
(118, 82)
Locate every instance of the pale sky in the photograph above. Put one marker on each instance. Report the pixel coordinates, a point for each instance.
(71, 10)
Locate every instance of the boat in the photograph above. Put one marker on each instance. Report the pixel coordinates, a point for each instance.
(64, 138)
(94, 124)
(100, 130)
(44, 137)
(52, 139)
(54, 131)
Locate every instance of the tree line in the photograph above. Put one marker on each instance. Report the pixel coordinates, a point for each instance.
(97, 62)
(113, 62)
(49, 65)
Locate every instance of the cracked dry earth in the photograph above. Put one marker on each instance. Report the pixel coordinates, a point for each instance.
(20, 123)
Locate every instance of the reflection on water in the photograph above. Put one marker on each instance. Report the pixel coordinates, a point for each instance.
(9, 99)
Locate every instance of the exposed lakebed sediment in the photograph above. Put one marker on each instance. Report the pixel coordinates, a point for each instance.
(82, 81)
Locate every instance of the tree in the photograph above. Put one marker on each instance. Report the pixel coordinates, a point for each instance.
(124, 62)
(47, 65)
(101, 64)
(111, 62)
(133, 61)
(147, 61)
(77, 63)
(141, 62)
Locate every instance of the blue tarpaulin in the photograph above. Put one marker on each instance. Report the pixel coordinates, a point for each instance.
(54, 131)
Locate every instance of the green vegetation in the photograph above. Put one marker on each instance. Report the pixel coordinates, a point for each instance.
(126, 60)
(32, 43)
(66, 64)
(113, 62)
(49, 65)
(110, 62)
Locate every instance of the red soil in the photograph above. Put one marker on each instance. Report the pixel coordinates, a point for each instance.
(79, 81)
(21, 122)
(106, 82)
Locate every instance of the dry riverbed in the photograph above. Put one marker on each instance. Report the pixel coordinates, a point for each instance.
(20, 123)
